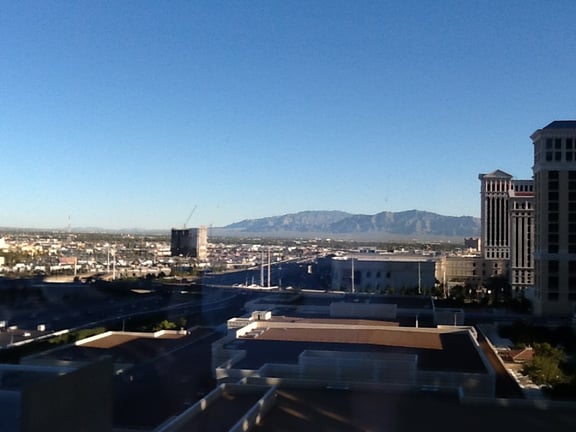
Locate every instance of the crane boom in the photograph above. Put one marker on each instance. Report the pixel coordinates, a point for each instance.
(190, 216)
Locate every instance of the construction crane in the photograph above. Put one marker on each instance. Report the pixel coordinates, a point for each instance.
(189, 217)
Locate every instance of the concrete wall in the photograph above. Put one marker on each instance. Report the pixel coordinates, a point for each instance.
(257, 412)
(244, 423)
(453, 317)
(220, 355)
(177, 422)
(358, 366)
(470, 384)
(284, 382)
(362, 370)
(363, 310)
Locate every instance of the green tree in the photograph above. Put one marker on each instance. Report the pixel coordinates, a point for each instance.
(164, 325)
(544, 369)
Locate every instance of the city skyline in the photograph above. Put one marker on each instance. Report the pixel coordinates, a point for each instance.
(128, 115)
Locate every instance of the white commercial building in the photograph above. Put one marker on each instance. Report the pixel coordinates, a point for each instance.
(383, 273)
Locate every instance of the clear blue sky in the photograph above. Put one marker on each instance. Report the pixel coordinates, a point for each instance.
(129, 113)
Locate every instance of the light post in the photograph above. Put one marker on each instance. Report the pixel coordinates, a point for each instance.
(114, 263)
(352, 276)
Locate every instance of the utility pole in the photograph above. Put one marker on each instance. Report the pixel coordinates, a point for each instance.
(419, 279)
(261, 268)
(114, 264)
(353, 287)
(269, 265)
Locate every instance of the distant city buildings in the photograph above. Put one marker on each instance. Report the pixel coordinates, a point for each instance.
(190, 242)
(472, 244)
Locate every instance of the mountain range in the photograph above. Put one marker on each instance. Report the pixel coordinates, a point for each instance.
(383, 226)
(406, 224)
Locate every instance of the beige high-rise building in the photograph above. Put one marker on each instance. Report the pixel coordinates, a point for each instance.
(495, 219)
(521, 207)
(508, 226)
(555, 218)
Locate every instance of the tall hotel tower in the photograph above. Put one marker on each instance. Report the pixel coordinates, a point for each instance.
(521, 207)
(555, 217)
(508, 228)
(495, 220)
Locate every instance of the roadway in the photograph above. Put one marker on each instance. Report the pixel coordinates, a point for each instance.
(119, 313)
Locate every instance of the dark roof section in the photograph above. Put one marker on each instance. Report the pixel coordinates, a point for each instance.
(457, 353)
(561, 124)
(495, 174)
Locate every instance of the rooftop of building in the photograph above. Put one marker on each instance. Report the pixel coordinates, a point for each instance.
(561, 124)
(449, 349)
(495, 174)
(123, 347)
(160, 375)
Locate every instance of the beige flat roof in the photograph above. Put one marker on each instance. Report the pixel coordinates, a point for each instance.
(117, 339)
(384, 336)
